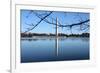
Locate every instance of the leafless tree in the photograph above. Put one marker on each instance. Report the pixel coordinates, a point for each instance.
(46, 14)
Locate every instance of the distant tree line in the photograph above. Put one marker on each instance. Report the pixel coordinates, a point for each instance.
(51, 34)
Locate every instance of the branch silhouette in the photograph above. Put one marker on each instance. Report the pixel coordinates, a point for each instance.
(71, 25)
(38, 22)
(43, 17)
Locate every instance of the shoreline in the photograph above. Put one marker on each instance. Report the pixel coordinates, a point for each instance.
(51, 38)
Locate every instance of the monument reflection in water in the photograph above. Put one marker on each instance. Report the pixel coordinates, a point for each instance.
(35, 50)
(41, 42)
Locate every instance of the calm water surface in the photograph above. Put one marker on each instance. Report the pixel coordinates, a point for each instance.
(42, 50)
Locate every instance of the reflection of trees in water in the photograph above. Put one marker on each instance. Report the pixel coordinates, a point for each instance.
(60, 39)
(57, 41)
(85, 39)
(29, 39)
(75, 38)
(36, 39)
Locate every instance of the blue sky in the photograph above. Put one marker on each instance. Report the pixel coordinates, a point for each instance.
(65, 18)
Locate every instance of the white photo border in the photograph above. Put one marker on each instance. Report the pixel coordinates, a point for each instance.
(17, 66)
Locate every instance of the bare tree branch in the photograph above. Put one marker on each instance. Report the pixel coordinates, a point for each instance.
(38, 22)
(43, 17)
(71, 25)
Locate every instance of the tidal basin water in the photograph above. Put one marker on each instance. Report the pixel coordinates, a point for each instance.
(43, 50)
